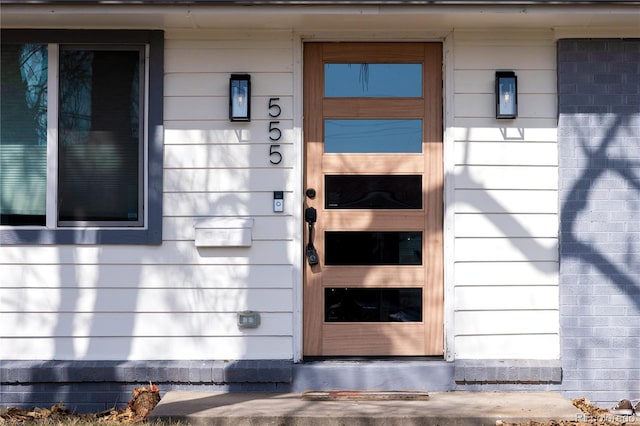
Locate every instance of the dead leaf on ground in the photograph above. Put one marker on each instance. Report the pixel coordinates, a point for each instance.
(138, 409)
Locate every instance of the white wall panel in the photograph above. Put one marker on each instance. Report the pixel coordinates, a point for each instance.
(470, 323)
(227, 180)
(228, 60)
(483, 81)
(218, 132)
(230, 204)
(505, 57)
(514, 153)
(505, 201)
(147, 348)
(224, 156)
(483, 105)
(148, 275)
(169, 253)
(506, 177)
(506, 273)
(506, 225)
(514, 128)
(137, 300)
(264, 227)
(216, 38)
(506, 249)
(217, 108)
(217, 84)
(492, 298)
(522, 132)
(510, 346)
(137, 324)
(504, 182)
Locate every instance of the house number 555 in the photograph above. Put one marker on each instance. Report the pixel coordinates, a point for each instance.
(275, 156)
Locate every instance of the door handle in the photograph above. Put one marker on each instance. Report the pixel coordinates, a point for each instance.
(311, 216)
(311, 193)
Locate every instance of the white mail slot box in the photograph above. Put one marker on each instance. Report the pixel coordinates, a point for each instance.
(222, 232)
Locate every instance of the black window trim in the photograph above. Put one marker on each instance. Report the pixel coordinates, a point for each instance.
(152, 232)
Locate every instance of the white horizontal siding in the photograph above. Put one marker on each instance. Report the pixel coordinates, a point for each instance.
(511, 129)
(176, 301)
(476, 323)
(223, 204)
(141, 324)
(506, 177)
(506, 225)
(228, 60)
(141, 276)
(169, 253)
(534, 53)
(526, 131)
(530, 81)
(491, 298)
(217, 108)
(217, 38)
(134, 300)
(225, 156)
(505, 203)
(507, 153)
(264, 227)
(506, 273)
(264, 85)
(483, 201)
(228, 180)
(508, 346)
(506, 249)
(482, 105)
(147, 348)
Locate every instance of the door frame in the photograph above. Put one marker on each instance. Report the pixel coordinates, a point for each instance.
(446, 92)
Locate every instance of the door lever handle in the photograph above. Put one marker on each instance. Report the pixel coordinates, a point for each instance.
(311, 216)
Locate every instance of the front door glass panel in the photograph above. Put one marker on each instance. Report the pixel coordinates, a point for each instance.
(373, 304)
(373, 248)
(372, 80)
(372, 136)
(373, 191)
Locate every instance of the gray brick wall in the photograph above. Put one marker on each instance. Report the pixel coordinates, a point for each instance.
(507, 371)
(92, 386)
(599, 139)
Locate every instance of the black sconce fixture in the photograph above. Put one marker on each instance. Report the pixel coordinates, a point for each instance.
(240, 97)
(506, 94)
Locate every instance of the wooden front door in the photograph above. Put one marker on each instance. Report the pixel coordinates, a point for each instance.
(374, 178)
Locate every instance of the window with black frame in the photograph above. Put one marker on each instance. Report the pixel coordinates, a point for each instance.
(76, 125)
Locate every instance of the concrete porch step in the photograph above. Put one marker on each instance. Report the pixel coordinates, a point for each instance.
(380, 375)
(442, 408)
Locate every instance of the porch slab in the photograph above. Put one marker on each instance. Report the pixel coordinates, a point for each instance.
(442, 408)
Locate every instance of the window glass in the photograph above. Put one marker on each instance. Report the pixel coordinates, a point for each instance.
(373, 80)
(373, 304)
(99, 148)
(81, 137)
(373, 136)
(23, 134)
(373, 191)
(373, 248)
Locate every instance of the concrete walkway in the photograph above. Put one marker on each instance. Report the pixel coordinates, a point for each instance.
(442, 408)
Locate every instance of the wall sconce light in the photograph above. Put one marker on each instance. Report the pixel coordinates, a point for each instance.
(240, 97)
(506, 94)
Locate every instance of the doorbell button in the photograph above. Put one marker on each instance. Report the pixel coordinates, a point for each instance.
(278, 201)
